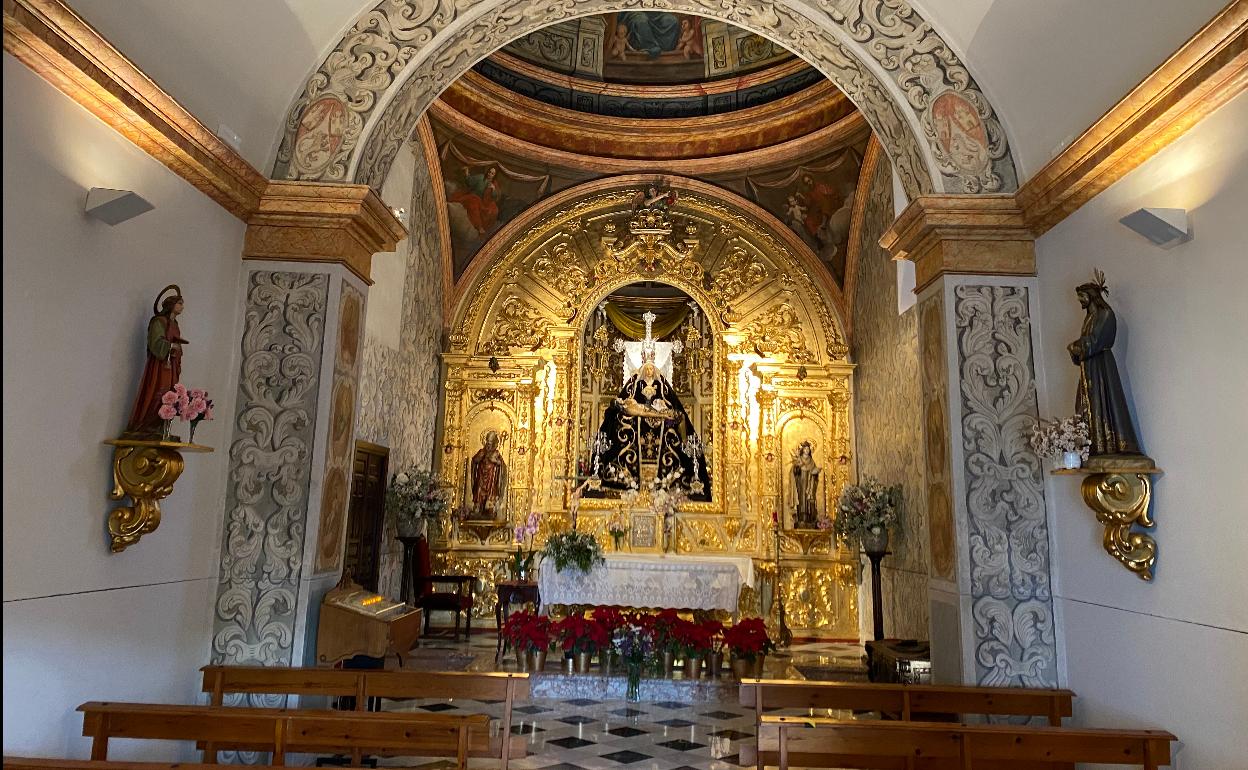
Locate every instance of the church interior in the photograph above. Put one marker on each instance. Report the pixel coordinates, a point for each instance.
(570, 386)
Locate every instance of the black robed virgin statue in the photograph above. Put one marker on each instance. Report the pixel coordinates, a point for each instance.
(646, 425)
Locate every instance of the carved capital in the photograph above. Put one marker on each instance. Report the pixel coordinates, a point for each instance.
(317, 222)
(962, 234)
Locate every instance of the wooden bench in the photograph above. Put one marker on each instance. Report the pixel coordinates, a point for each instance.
(906, 702)
(885, 745)
(282, 731)
(363, 684)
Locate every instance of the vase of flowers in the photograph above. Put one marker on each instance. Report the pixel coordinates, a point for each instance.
(749, 644)
(189, 405)
(635, 646)
(865, 512)
(617, 528)
(575, 550)
(521, 565)
(417, 498)
(1065, 441)
(666, 495)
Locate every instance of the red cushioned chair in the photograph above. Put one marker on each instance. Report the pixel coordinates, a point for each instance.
(429, 598)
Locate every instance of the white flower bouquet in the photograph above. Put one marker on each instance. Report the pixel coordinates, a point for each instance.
(417, 497)
(1054, 438)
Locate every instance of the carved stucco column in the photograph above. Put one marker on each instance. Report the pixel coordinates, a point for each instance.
(308, 250)
(992, 619)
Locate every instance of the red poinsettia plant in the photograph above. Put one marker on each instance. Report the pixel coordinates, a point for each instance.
(693, 639)
(610, 619)
(748, 639)
(662, 628)
(528, 631)
(577, 633)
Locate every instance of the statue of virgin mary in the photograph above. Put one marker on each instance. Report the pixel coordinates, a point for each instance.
(647, 425)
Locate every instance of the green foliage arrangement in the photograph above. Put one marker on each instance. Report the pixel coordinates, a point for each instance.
(573, 549)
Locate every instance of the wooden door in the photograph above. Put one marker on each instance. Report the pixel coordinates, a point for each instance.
(366, 514)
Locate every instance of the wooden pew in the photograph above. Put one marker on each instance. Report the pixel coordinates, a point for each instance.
(363, 684)
(908, 702)
(888, 745)
(282, 731)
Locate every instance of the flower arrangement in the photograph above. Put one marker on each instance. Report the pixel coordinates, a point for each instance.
(573, 549)
(634, 643)
(417, 497)
(522, 559)
(748, 639)
(578, 634)
(1050, 438)
(865, 510)
(528, 631)
(617, 528)
(190, 405)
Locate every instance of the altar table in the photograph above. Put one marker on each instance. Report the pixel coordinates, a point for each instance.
(684, 582)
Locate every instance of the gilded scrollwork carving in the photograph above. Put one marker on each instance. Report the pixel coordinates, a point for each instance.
(778, 331)
(1121, 501)
(738, 273)
(145, 472)
(517, 325)
(388, 58)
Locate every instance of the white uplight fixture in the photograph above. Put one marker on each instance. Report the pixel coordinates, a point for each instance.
(115, 206)
(1166, 228)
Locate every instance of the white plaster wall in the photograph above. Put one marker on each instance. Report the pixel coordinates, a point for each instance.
(1173, 653)
(81, 623)
(1052, 68)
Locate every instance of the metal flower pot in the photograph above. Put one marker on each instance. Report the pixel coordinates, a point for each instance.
(693, 667)
(582, 662)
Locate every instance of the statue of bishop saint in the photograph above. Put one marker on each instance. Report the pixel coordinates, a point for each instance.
(647, 425)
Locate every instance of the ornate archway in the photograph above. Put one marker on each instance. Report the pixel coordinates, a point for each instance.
(776, 363)
(364, 101)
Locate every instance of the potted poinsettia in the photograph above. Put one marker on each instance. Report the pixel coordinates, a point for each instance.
(749, 644)
(529, 634)
(695, 645)
(581, 637)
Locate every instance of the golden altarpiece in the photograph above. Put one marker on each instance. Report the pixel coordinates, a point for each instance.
(763, 370)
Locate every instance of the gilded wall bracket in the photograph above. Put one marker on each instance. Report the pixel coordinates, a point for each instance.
(144, 471)
(1121, 499)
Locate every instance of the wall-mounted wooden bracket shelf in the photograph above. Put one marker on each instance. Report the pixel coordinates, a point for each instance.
(1120, 498)
(144, 471)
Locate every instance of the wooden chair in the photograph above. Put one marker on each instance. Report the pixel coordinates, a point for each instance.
(366, 684)
(429, 598)
(283, 731)
(898, 701)
(888, 745)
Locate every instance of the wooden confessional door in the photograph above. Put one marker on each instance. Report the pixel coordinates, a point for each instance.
(366, 514)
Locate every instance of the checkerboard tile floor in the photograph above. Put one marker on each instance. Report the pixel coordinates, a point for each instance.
(583, 734)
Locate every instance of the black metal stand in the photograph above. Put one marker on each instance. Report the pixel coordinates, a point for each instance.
(877, 601)
(407, 590)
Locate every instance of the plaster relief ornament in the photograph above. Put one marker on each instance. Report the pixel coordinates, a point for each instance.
(163, 368)
(1100, 399)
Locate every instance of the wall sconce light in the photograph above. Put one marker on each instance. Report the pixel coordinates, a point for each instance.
(115, 206)
(1166, 228)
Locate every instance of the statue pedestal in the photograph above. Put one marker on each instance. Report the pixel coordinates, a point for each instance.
(1120, 498)
(144, 471)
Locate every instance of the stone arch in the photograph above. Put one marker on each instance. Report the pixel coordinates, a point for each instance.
(366, 98)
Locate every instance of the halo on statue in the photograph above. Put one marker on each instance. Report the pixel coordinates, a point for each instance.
(177, 292)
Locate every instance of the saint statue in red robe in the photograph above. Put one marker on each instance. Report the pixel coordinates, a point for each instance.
(164, 364)
(489, 481)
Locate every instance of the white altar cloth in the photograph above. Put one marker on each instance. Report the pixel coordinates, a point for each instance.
(684, 582)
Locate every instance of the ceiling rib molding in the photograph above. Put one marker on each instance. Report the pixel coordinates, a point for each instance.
(1205, 73)
(848, 130)
(64, 50)
(752, 128)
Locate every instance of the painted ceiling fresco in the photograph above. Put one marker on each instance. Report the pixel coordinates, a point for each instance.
(486, 188)
(647, 47)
